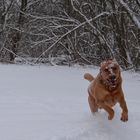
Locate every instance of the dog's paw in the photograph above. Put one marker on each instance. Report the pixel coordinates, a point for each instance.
(124, 117)
(111, 115)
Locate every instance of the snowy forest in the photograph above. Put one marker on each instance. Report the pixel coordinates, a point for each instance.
(46, 49)
(65, 32)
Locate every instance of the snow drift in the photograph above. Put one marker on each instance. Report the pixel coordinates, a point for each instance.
(50, 103)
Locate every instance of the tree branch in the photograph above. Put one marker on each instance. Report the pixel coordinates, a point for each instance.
(64, 35)
(130, 13)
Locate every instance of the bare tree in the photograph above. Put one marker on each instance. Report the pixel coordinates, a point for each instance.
(71, 31)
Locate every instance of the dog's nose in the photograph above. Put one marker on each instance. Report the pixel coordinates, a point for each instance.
(112, 77)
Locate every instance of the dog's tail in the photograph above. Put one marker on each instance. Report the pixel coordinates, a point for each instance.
(88, 77)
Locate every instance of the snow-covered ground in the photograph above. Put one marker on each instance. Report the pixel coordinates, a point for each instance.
(50, 103)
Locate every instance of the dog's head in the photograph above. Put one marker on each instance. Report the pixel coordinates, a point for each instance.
(110, 73)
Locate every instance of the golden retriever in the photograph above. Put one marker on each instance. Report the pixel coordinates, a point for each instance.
(106, 90)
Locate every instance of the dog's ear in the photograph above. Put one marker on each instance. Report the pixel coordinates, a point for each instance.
(103, 63)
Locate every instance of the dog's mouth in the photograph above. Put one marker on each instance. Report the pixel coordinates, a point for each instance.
(112, 82)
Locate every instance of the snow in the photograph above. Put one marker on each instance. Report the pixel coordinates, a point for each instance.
(50, 103)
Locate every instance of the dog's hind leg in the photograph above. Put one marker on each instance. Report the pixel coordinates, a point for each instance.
(92, 104)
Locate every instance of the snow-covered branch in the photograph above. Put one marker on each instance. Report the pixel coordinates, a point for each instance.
(94, 28)
(64, 35)
(131, 13)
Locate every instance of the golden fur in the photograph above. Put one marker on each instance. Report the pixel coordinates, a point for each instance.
(106, 90)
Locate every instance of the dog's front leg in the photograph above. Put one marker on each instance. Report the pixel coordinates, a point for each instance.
(123, 105)
(109, 110)
(92, 104)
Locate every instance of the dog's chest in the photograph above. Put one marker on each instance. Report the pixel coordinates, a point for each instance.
(110, 100)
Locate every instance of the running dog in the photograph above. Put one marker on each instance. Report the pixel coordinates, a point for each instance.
(106, 90)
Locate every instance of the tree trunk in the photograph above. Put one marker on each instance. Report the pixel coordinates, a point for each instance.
(16, 36)
(119, 33)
